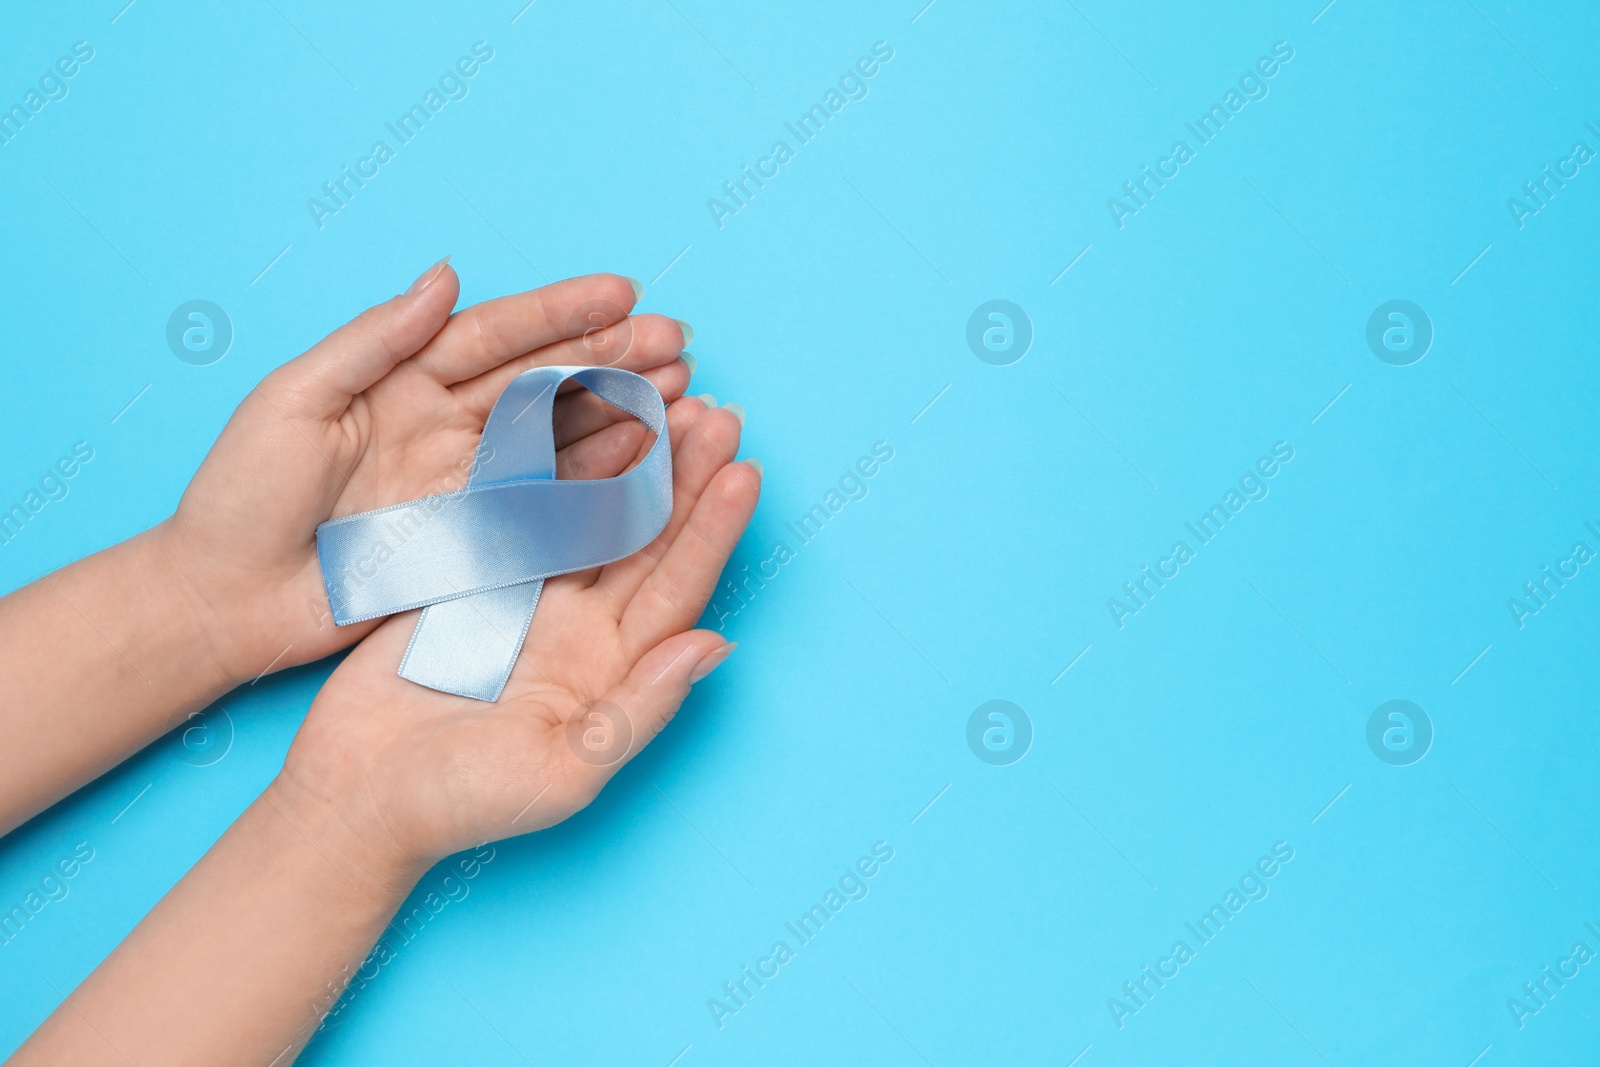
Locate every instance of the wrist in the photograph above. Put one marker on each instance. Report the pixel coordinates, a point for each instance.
(348, 835)
(210, 633)
(177, 631)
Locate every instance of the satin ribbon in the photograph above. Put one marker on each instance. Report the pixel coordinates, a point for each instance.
(476, 560)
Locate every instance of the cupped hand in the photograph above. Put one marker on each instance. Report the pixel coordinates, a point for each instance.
(386, 409)
(611, 654)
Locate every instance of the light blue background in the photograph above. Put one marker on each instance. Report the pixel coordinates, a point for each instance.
(1224, 317)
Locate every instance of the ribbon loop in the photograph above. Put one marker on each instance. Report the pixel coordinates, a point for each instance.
(476, 560)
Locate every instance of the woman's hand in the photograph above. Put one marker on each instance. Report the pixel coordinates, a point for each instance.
(611, 654)
(385, 777)
(387, 409)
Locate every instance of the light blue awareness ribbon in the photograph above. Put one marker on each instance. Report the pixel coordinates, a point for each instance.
(476, 560)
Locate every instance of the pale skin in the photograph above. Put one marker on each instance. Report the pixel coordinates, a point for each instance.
(241, 959)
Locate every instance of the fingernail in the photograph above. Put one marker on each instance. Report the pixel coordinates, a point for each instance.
(638, 288)
(738, 411)
(688, 357)
(711, 662)
(756, 463)
(428, 277)
(708, 400)
(688, 331)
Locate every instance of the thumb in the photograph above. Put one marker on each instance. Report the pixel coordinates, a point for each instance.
(653, 691)
(358, 354)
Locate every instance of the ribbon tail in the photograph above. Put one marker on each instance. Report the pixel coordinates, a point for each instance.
(468, 646)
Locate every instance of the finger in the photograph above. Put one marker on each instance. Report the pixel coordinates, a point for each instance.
(605, 453)
(704, 440)
(617, 448)
(637, 341)
(640, 343)
(485, 335)
(354, 357)
(581, 413)
(679, 416)
(675, 594)
(656, 686)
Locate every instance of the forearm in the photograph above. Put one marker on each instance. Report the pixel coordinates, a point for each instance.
(97, 660)
(240, 961)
